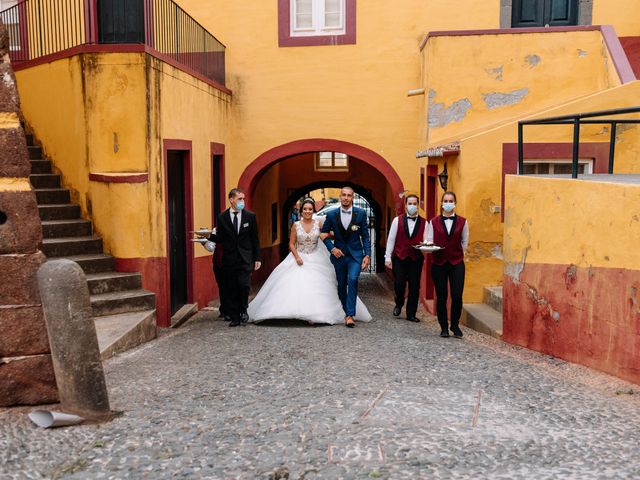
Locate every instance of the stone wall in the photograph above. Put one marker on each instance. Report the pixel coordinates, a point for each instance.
(26, 369)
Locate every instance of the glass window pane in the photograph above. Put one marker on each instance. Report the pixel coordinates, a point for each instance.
(333, 6)
(561, 168)
(324, 159)
(529, 168)
(304, 6)
(340, 160)
(304, 20)
(332, 20)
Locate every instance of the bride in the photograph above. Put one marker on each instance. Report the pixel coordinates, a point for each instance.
(304, 285)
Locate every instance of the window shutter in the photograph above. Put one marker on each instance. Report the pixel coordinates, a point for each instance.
(333, 13)
(303, 16)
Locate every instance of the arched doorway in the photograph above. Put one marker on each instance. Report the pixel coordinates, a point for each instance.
(275, 176)
(371, 206)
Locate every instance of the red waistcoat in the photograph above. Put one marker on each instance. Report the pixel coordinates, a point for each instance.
(404, 244)
(452, 243)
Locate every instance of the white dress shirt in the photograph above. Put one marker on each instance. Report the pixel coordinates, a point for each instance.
(393, 234)
(449, 223)
(231, 210)
(346, 217)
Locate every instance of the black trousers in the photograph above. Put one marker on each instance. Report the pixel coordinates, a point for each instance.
(444, 277)
(237, 281)
(407, 271)
(219, 276)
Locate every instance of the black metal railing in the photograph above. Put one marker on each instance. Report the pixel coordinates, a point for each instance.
(38, 28)
(591, 118)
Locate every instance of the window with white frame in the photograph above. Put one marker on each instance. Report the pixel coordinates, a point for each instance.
(332, 161)
(317, 17)
(556, 167)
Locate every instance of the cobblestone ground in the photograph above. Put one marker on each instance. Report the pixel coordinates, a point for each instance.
(389, 399)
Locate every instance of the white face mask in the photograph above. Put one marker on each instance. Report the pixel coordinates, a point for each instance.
(412, 210)
(448, 207)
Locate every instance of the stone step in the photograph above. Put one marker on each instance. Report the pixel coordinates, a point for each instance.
(40, 166)
(64, 211)
(121, 332)
(482, 318)
(35, 153)
(29, 138)
(94, 263)
(493, 297)
(45, 180)
(66, 246)
(122, 302)
(48, 196)
(105, 282)
(77, 227)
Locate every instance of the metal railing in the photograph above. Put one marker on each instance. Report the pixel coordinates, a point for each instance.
(38, 28)
(591, 118)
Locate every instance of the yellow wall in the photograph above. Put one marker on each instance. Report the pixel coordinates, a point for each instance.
(464, 75)
(598, 236)
(624, 15)
(355, 93)
(94, 115)
(475, 175)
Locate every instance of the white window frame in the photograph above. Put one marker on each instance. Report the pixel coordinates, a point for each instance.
(318, 27)
(332, 167)
(587, 162)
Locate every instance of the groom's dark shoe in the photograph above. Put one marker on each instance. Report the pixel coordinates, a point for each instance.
(444, 333)
(235, 322)
(349, 323)
(413, 318)
(396, 311)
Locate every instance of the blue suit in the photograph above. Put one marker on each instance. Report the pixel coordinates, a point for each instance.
(355, 244)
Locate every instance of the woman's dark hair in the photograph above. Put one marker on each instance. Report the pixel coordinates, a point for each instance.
(311, 202)
(449, 193)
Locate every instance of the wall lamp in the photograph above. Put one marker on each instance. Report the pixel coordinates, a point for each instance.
(443, 177)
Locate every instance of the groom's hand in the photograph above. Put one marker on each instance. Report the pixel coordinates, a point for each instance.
(365, 263)
(336, 252)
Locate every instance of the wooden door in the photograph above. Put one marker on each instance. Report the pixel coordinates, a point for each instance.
(176, 204)
(539, 13)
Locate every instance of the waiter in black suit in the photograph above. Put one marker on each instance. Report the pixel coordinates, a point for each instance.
(238, 233)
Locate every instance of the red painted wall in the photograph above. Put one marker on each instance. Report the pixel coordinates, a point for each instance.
(589, 316)
(631, 47)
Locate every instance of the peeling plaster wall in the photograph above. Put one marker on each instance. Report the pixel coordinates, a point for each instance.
(478, 81)
(572, 274)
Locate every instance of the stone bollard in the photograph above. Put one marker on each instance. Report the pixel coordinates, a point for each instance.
(72, 336)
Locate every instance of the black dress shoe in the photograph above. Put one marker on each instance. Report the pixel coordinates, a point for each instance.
(413, 319)
(235, 322)
(457, 333)
(396, 311)
(444, 334)
(244, 317)
(227, 318)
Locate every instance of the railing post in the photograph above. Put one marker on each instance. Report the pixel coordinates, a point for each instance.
(520, 149)
(576, 147)
(612, 146)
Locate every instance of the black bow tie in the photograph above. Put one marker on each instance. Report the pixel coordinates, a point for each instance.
(447, 218)
(412, 218)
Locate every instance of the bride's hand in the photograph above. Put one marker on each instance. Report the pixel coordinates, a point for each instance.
(299, 261)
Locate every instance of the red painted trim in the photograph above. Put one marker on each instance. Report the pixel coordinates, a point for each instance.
(284, 28)
(631, 47)
(618, 55)
(218, 149)
(598, 151)
(185, 146)
(119, 48)
(260, 165)
(148, 19)
(154, 278)
(205, 287)
(119, 177)
(611, 40)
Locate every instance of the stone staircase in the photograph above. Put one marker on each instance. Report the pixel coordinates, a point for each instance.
(123, 312)
(485, 317)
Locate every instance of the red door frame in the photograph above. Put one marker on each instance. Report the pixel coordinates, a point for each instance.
(218, 149)
(185, 147)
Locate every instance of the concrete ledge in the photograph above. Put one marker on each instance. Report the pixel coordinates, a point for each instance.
(118, 333)
(482, 318)
(184, 314)
(493, 297)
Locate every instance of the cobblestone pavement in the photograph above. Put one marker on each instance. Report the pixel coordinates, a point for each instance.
(389, 399)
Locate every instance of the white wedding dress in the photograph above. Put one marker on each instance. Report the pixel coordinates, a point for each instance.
(305, 292)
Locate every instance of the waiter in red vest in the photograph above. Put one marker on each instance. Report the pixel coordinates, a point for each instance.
(406, 262)
(451, 232)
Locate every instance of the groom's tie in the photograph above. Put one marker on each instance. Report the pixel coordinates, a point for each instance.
(235, 222)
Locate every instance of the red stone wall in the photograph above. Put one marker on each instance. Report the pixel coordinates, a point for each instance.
(26, 369)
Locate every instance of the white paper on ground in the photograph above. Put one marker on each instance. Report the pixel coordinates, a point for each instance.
(47, 419)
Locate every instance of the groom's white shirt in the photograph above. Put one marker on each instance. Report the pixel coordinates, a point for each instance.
(345, 217)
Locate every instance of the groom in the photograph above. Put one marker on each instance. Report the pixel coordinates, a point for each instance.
(350, 250)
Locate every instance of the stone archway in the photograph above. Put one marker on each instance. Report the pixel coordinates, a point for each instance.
(262, 163)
